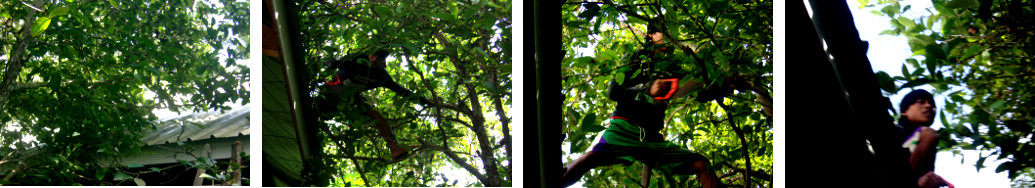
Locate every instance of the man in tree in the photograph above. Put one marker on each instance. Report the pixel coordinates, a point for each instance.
(917, 109)
(354, 76)
(633, 130)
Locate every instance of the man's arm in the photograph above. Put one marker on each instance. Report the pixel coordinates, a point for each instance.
(398, 89)
(625, 91)
(922, 159)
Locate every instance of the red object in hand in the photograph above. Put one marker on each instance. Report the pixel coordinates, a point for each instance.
(674, 83)
(335, 82)
(947, 182)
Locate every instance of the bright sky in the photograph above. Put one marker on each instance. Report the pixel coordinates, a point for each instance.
(887, 53)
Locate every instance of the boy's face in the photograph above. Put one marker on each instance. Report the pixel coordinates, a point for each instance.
(656, 37)
(920, 112)
(376, 61)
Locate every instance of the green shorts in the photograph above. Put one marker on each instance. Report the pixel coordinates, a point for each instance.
(632, 143)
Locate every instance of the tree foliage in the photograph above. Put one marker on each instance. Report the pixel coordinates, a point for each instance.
(715, 40)
(977, 54)
(76, 73)
(455, 53)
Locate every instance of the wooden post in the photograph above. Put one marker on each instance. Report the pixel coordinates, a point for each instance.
(645, 177)
(207, 152)
(236, 159)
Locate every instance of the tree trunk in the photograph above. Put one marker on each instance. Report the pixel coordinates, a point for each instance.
(14, 64)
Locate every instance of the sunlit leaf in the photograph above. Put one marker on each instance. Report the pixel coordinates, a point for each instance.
(40, 25)
(60, 11)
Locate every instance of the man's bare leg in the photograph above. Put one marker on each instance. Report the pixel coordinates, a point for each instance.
(705, 175)
(583, 164)
(386, 133)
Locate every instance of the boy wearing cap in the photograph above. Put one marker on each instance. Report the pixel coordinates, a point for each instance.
(633, 130)
(917, 110)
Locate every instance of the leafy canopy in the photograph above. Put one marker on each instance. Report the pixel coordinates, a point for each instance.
(92, 73)
(457, 54)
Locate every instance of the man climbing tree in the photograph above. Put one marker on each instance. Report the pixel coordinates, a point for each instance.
(915, 133)
(633, 131)
(702, 44)
(341, 95)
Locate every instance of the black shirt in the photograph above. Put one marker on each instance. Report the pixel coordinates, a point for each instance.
(634, 104)
(354, 77)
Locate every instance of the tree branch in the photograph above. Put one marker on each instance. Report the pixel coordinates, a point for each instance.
(456, 158)
(740, 133)
(342, 150)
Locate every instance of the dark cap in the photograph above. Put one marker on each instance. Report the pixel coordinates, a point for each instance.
(381, 54)
(911, 98)
(652, 25)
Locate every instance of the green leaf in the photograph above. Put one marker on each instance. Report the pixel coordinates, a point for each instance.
(140, 182)
(444, 16)
(914, 83)
(890, 11)
(980, 163)
(591, 11)
(206, 176)
(114, 4)
(973, 50)
(589, 123)
(119, 176)
(620, 77)
(40, 25)
(384, 11)
(629, 182)
(906, 22)
(101, 173)
(60, 11)
(582, 61)
(885, 82)
(934, 52)
(1002, 167)
(913, 62)
(997, 105)
(155, 169)
(862, 3)
(905, 71)
(889, 32)
(133, 165)
(960, 3)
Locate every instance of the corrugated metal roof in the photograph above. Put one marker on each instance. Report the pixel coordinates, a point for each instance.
(213, 125)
